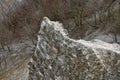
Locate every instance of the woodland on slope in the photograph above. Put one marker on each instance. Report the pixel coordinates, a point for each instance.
(20, 19)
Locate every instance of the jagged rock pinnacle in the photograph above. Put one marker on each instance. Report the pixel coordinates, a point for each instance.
(46, 19)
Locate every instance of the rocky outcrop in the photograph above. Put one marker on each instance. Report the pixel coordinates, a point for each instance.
(57, 57)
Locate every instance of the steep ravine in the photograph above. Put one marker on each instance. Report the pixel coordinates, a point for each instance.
(57, 57)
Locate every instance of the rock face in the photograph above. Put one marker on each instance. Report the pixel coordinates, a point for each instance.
(57, 57)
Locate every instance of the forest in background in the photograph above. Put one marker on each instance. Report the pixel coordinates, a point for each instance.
(20, 19)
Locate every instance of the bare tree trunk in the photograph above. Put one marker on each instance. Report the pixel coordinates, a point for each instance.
(5, 62)
(81, 17)
(115, 37)
(95, 22)
(33, 41)
(8, 48)
(12, 60)
(2, 46)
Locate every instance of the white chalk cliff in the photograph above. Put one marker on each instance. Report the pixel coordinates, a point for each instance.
(57, 57)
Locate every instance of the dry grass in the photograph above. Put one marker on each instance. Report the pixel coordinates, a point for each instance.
(5, 75)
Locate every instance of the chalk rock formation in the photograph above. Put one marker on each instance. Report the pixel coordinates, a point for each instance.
(57, 57)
